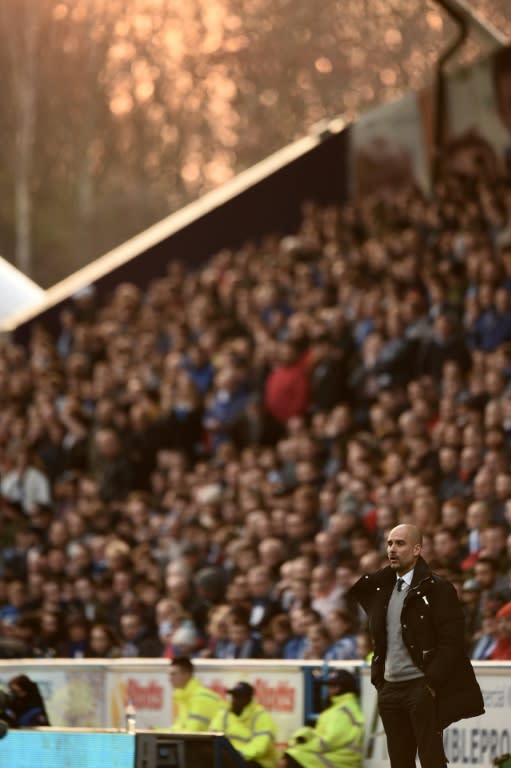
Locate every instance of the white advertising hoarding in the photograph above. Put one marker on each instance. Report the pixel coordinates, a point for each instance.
(477, 741)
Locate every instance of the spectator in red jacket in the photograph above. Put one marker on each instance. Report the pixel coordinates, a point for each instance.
(502, 650)
(287, 389)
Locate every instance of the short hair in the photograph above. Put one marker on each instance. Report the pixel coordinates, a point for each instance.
(183, 663)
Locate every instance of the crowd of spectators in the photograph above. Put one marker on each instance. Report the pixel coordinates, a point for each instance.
(206, 466)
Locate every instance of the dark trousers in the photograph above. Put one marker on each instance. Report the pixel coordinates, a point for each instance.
(408, 714)
(290, 762)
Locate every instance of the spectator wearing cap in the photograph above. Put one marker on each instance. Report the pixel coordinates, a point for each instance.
(195, 706)
(249, 727)
(337, 738)
(502, 650)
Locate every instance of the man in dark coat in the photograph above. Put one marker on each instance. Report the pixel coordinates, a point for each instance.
(420, 668)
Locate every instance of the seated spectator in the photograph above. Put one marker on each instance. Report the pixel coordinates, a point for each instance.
(344, 644)
(275, 637)
(242, 642)
(217, 633)
(184, 640)
(76, 644)
(225, 407)
(103, 643)
(485, 639)
(326, 593)
(318, 642)
(502, 649)
(26, 709)
(263, 605)
(136, 637)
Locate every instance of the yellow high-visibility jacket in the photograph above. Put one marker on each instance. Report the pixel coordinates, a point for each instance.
(196, 706)
(337, 739)
(252, 734)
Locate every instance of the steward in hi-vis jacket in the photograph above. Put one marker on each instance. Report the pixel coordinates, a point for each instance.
(194, 704)
(337, 739)
(249, 728)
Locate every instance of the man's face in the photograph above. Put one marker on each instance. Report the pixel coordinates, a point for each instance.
(239, 702)
(130, 627)
(178, 677)
(504, 627)
(402, 549)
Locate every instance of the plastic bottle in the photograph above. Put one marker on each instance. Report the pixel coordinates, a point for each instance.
(130, 717)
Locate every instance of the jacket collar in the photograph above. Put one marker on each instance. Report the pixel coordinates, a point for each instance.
(387, 577)
(420, 572)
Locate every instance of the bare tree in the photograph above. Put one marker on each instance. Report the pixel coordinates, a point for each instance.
(21, 22)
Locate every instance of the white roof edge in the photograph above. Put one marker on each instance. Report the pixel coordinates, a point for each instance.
(174, 222)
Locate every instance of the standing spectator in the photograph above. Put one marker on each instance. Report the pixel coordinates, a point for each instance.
(24, 482)
(287, 388)
(114, 470)
(327, 375)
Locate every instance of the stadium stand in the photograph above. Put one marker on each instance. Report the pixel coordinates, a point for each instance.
(187, 463)
(203, 460)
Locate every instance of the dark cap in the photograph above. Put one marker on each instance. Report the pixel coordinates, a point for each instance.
(342, 678)
(241, 689)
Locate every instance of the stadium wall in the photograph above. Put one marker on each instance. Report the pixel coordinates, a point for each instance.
(93, 695)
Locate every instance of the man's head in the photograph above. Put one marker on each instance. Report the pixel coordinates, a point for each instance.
(181, 670)
(241, 696)
(504, 621)
(404, 547)
(341, 681)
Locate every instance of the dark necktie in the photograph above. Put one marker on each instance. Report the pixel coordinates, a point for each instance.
(400, 584)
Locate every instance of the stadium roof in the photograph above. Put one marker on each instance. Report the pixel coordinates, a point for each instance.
(18, 292)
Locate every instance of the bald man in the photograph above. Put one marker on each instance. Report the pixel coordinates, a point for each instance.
(420, 669)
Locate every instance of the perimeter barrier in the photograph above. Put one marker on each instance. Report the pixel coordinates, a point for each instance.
(91, 695)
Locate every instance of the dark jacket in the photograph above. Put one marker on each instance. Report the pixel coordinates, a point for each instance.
(432, 625)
